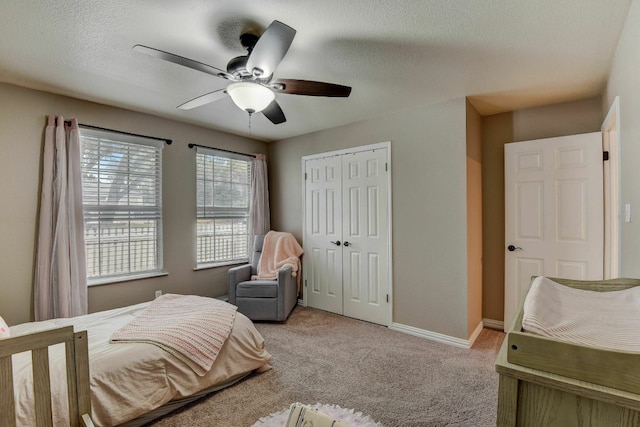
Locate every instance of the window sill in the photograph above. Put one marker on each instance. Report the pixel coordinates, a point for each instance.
(220, 264)
(111, 280)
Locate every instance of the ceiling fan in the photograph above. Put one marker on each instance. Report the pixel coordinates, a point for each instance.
(253, 88)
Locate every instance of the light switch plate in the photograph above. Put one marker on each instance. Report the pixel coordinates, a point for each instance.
(627, 212)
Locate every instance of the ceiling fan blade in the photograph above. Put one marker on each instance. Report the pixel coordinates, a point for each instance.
(271, 47)
(204, 99)
(310, 88)
(180, 60)
(274, 113)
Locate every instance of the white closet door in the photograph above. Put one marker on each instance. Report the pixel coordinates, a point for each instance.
(323, 225)
(365, 235)
(346, 237)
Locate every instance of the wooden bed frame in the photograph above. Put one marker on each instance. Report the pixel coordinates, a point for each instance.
(547, 382)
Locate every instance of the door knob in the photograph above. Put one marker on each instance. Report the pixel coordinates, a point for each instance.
(347, 244)
(337, 243)
(513, 248)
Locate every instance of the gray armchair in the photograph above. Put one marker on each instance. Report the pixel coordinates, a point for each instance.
(262, 299)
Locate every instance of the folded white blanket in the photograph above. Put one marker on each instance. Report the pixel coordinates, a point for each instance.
(609, 320)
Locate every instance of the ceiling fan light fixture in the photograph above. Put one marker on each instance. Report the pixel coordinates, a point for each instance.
(251, 97)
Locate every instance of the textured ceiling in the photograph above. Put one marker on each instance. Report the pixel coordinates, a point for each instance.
(395, 54)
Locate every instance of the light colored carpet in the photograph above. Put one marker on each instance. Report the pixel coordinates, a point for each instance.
(395, 378)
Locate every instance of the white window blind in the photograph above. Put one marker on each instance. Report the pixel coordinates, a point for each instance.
(223, 186)
(122, 201)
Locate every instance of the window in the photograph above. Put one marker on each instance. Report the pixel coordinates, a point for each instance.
(122, 202)
(223, 185)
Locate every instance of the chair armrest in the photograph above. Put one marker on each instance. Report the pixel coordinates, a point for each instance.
(284, 274)
(242, 273)
(287, 291)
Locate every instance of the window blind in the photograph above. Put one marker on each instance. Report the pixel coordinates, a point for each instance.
(223, 191)
(122, 203)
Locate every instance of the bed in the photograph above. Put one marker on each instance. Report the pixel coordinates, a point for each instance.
(557, 375)
(133, 383)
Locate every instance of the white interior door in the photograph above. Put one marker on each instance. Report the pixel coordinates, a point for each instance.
(365, 235)
(553, 213)
(347, 239)
(323, 233)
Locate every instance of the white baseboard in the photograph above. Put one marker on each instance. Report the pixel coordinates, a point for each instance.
(433, 336)
(493, 324)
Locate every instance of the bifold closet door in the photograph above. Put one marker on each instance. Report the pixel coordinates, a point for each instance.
(365, 234)
(346, 234)
(323, 233)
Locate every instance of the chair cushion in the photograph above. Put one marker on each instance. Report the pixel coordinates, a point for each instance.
(257, 289)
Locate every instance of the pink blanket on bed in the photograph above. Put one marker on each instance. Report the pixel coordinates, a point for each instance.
(280, 249)
(191, 328)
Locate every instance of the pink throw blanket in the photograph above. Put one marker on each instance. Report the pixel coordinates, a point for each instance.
(280, 249)
(191, 328)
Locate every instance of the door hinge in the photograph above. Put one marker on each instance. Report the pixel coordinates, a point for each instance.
(387, 297)
(386, 167)
(605, 156)
(305, 283)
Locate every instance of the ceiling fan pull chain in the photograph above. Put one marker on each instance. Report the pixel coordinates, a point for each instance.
(250, 123)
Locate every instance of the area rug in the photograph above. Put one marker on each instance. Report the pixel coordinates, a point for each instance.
(347, 416)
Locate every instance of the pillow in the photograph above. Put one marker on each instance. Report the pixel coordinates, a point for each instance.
(4, 329)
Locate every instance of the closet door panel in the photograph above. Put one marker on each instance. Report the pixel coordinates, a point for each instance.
(365, 251)
(323, 225)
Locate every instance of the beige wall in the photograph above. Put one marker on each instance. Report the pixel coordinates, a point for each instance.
(428, 171)
(429, 188)
(535, 123)
(474, 218)
(22, 120)
(624, 81)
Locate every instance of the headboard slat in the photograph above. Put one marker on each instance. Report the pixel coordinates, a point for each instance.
(7, 403)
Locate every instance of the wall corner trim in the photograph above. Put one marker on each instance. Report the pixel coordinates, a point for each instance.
(432, 336)
(475, 333)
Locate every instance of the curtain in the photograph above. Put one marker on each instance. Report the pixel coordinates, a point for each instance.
(260, 218)
(60, 288)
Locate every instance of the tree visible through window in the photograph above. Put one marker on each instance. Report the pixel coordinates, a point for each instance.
(223, 185)
(122, 202)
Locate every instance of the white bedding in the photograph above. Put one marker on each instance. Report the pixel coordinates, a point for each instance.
(128, 380)
(607, 320)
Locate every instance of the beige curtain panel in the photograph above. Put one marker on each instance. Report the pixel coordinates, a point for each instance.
(60, 288)
(260, 199)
